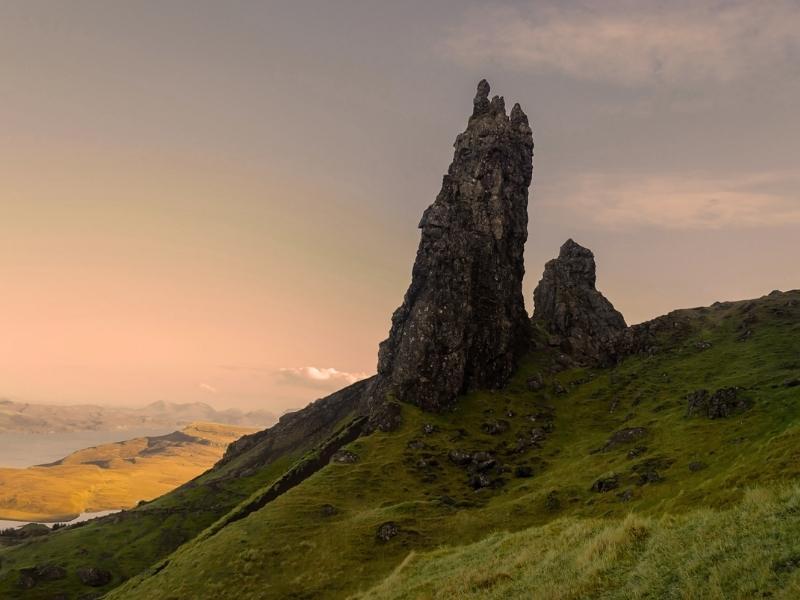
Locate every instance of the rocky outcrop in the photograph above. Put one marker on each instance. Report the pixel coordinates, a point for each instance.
(577, 317)
(94, 576)
(297, 431)
(462, 324)
(721, 404)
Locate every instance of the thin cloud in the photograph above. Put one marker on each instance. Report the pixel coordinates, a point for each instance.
(632, 43)
(315, 377)
(208, 388)
(681, 202)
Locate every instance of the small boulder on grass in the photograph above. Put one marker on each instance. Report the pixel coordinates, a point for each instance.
(606, 484)
(624, 437)
(344, 457)
(386, 531)
(721, 404)
(94, 577)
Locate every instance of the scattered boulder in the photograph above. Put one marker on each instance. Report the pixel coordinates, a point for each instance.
(463, 324)
(480, 480)
(429, 429)
(535, 383)
(606, 484)
(697, 465)
(624, 436)
(721, 404)
(577, 316)
(786, 565)
(790, 383)
(417, 444)
(483, 461)
(94, 577)
(386, 531)
(497, 427)
(427, 463)
(637, 451)
(552, 502)
(523, 471)
(625, 496)
(647, 471)
(344, 457)
(30, 577)
(482, 467)
(459, 457)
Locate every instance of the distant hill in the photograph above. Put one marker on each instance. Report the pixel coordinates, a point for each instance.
(113, 476)
(46, 418)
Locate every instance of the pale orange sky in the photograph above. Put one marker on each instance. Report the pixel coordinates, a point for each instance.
(207, 201)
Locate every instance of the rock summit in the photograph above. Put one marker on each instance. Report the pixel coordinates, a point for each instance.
(462, 324)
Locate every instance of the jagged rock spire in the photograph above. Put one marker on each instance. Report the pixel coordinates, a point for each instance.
(462, 324)
(566, 302)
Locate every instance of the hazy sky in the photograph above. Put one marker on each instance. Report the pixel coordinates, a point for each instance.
(218, 201)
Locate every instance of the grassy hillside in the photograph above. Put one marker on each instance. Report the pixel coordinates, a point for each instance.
(749, 551)
(578, 455)
(125, 543)
(113, 476)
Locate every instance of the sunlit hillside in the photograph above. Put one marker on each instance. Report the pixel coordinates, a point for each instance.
(113, 476)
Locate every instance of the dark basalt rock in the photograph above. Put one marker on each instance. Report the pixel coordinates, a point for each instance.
(606, 484)
(719, 405)
(94, 576)
(523, 471)
(625, 496)
(459, 457)
(462, 324)
(387, 531)
(480, 480)
(642, 338)
(552, 502)
(624, 436)
(344, 457)
(579, 319)
(497, 427)
(30, 577)
(535, 383)
(301, 429)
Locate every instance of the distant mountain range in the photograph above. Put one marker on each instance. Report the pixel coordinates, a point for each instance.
(45, 418)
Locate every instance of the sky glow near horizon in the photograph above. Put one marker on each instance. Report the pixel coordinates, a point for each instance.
(218, 202)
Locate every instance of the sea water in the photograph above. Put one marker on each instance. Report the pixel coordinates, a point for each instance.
(18, 450)
(82, 517)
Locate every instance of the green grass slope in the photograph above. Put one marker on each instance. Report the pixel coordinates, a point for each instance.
(128, 542)
(750, 551)
(685, 480)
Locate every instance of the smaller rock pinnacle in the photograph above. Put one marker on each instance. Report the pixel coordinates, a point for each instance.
(481, 101)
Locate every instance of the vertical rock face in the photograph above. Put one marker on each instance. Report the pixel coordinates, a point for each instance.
(463, 323)
(568, 305)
